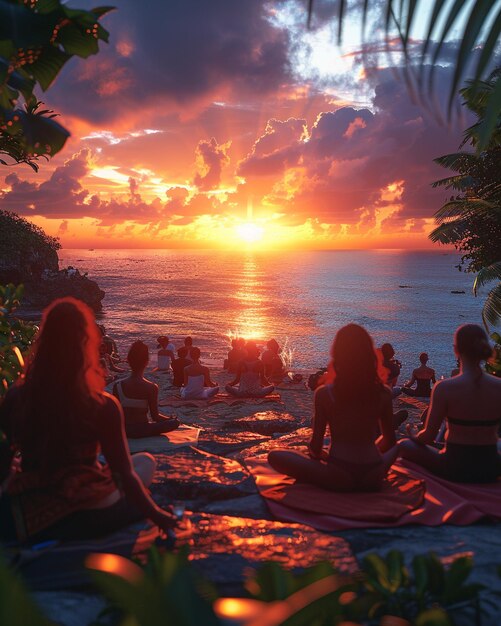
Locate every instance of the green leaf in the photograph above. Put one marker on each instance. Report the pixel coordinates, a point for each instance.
(490, 119)
(74, 41)
(491, 312)
(25, 28)
(48, 66)
(100, 11)
(486, 275)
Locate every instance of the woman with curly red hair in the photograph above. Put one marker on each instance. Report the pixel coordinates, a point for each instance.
(60, 419)
(356, 406)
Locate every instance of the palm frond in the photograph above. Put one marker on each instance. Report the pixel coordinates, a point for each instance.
(478, 24)
(491, 312)
(449, 232)
(464, 207)
(460, 182)
(487, 275)
(457, 161)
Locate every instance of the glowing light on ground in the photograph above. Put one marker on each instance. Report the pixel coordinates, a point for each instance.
(249, 232)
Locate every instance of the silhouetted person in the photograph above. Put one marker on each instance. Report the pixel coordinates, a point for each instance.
(60, 419)
(197, 381)
(250, 378)
(358, 460)
(423, 376)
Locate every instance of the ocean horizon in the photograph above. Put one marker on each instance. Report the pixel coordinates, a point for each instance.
(301, 298)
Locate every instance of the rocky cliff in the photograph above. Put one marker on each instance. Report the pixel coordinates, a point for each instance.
(29, 256)
(41, 292)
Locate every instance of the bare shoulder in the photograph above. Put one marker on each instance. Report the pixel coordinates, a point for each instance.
(494, 382)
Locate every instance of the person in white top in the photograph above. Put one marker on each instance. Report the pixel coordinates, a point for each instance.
(165, 354)
(197, 381)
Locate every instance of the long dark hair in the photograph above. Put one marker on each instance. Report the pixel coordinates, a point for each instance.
(357, 367)
(63, 381)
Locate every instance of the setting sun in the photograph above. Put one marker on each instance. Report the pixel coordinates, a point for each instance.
(249, 232)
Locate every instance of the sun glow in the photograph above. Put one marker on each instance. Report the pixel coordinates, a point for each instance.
(249, 232)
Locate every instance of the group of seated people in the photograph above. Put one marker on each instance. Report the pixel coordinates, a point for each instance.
(423, 376)
(138, 396)
(363, 442)
(60, 423)
(271, 359)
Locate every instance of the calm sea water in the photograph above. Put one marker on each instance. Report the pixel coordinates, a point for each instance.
(300, 298)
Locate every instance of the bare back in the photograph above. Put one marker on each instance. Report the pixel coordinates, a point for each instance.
(472, 406)
(354, 428)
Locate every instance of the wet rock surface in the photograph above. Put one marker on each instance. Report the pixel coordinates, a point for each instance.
(264, 423)
(223, 546)
(194, 475)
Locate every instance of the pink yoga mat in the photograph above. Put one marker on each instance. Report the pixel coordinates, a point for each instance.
(444, 502)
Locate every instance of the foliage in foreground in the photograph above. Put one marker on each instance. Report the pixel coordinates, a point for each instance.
(477, 24)
(168, 591)
(493, 366)
(471, 219)
(16, 337)
(37, 38)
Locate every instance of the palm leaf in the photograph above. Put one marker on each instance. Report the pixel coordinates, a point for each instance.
(459, 182)
(490, 119)
(448, 233)
(457, 161)
(464, 207)
(491, 312)
(479, 27)
(487, 275)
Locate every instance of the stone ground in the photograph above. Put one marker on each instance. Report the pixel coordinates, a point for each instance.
(231, 527)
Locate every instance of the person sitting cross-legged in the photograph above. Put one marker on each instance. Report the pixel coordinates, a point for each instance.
(358, 459)
(197, 381)
(62, 423)
(423, 376)
(470, 406)
(250, 377)
(139, 397)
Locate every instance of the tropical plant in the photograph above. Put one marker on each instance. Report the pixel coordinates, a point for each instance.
(471, 220)
(16, 337)
(21, 242)
(167, 591)
(477, 24)
(37, 38)
(493, 365)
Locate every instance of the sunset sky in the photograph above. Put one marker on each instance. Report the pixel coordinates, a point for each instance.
(202, 116)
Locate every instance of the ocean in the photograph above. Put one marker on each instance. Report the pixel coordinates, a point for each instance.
(299, 298)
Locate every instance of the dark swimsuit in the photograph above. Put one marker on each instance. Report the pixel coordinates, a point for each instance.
(471, 463)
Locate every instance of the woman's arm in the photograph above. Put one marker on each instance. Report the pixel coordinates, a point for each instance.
(436, 415)
(319, 425)
(387, 439)
(433, 377)
(412, 380)
(114, 447)
(153, 403)
(185, 375)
